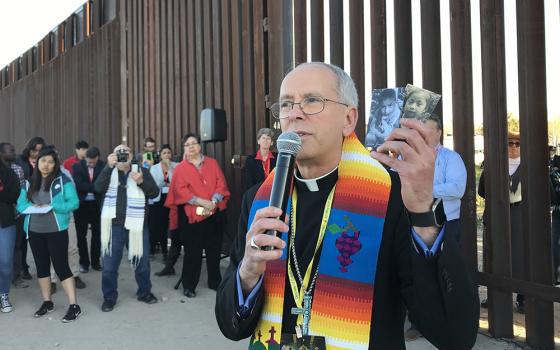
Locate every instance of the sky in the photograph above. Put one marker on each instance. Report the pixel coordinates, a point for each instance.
(25, 22)
(552, 37)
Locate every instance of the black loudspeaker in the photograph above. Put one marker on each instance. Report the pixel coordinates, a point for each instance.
(213, 125)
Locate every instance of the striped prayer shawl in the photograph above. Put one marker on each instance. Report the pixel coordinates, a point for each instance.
(134, 222)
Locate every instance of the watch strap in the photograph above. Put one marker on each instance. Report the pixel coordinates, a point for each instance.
(434, 217)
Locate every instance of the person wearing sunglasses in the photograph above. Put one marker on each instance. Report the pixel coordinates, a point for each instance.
(517, 247)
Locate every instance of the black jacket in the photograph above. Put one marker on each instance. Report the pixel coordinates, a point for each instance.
(438, 292)
(254, 172)
(9, 193)
(149, 186)
(81, 179)
(24, 164)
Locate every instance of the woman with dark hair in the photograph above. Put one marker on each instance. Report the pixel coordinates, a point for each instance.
(28, 158)
(9, 192)
(27, 161)
(47, 203)
(158, 216)
(197, 198)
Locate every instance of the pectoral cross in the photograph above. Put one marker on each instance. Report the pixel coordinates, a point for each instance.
(306, 312)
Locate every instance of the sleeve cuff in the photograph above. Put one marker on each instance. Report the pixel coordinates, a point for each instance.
(218, 197)
(246, 304)
(421, 246)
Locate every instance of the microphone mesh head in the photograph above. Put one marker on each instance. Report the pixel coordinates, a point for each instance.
(288, 142)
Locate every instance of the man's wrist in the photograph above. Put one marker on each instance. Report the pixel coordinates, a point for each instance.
(248, 282)
(422, 207)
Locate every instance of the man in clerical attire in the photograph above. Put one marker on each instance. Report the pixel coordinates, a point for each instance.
(359, 242)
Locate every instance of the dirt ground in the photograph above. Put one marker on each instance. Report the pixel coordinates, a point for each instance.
(175, 322)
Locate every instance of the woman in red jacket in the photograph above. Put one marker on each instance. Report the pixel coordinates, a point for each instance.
(198, 192)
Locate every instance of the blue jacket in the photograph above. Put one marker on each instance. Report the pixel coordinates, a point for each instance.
(64, 200)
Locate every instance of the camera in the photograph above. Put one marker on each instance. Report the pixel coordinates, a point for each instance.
(122, 156)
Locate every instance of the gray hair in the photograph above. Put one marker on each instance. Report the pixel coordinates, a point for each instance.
(265, 131)
(122, 146)
(345, 87)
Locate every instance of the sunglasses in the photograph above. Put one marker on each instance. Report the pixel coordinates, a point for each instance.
(514, 144)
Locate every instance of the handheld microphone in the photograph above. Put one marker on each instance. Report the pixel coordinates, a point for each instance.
(288, 144)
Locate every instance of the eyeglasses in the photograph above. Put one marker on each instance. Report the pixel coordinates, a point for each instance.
(190, 144)
(514, 144)
(309, 106)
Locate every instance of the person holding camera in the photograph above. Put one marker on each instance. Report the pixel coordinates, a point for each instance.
(126, 188)
(197, 198)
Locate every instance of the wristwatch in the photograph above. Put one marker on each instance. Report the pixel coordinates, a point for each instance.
(215, 201)
(434, 217)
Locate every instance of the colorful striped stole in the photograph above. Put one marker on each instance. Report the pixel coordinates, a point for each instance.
(344, 293)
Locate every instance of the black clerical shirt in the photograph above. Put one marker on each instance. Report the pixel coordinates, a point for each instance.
(309, 212)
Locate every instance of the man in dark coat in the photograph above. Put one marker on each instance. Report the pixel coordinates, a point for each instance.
(416, 264)
(85, 172)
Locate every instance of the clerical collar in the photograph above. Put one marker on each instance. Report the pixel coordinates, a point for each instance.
(322, 182)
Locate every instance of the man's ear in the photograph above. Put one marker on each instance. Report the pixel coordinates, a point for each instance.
(350, 121)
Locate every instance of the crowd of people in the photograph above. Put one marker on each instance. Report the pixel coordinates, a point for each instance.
(138, 202)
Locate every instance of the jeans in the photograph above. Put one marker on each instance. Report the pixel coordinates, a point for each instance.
(112, 262)
(7, 244)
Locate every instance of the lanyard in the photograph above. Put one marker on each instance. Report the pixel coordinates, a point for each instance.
(305, 287)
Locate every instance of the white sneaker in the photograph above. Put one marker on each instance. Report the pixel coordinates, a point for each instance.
(5, 305)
